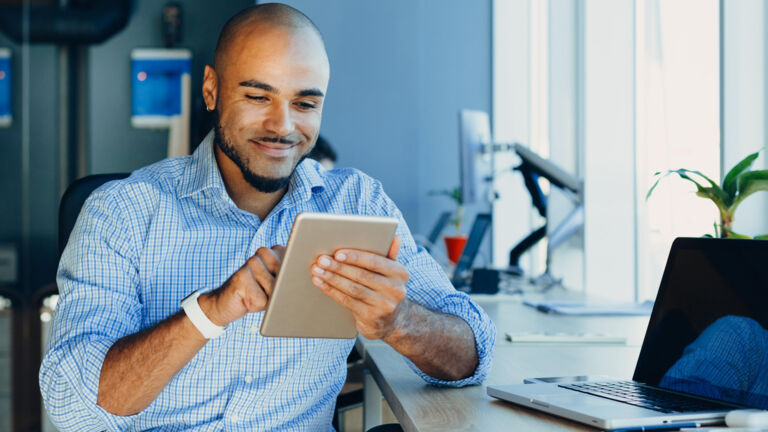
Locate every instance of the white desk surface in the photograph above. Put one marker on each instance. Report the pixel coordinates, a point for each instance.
(420, 407)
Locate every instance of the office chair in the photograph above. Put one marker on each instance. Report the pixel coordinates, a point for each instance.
(351, 395)
(69, 208)
(74, 198)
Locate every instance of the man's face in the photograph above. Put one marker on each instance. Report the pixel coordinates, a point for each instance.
(268, 95)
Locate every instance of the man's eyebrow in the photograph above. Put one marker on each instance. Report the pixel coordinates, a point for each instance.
(259, 85)
(266, 87)
(310, 92)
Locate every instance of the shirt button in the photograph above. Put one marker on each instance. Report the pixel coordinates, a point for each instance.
(234, 418)
(248, 379)
(254, 329)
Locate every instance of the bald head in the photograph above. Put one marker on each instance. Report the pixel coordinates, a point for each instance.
(275, 15)
(267, 89)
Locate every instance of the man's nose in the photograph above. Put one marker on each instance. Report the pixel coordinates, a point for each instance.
(279, 120)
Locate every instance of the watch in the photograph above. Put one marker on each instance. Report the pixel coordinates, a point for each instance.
(191, 307)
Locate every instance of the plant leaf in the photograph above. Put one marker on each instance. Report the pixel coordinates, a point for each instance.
(684, 174)
(656, 183)
(713, 192)
(749, 183)
(762, 237)
(454, 194)
(662, 174)
(736, 235)
(729, 182)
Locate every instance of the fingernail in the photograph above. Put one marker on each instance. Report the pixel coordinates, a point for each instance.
(341, 256)
(324, 261)
(318, 282)
(317, 270)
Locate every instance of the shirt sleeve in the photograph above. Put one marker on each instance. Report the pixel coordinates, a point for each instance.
(98, 304)
(430, 287)
(701, 369)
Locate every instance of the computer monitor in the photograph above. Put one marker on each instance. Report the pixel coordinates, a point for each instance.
(543, 167)
(429, 241)
(476, 159)
(557, 230)
(442, 221)
(572, 222)
(476, 235)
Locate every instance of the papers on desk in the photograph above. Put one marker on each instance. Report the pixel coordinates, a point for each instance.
(592, 308)
(559, 338)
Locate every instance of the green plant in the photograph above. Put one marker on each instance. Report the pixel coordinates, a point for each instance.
(737, 185)
(455, 195)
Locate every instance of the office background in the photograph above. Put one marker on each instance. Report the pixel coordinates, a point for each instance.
(611, 90)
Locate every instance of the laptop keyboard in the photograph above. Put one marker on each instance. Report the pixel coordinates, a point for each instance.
(637, 394)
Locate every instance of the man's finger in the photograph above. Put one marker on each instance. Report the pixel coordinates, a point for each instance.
(367, 278)
(270, 259)
(280, 251)
(394, 248)
(347, 286)
(261, 274)
(357, 307)
(369, 261)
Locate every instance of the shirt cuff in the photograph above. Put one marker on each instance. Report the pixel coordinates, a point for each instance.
(90, 366)
(484, 331)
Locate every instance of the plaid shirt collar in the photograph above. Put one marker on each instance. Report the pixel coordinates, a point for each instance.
(202, 172)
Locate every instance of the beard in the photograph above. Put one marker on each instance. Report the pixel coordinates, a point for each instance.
(259, 182)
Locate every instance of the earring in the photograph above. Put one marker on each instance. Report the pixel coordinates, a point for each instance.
(207, 108)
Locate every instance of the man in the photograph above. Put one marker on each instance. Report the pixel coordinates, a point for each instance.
(124, 355)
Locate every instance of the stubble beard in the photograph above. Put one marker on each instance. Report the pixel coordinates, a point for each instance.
(260, 183)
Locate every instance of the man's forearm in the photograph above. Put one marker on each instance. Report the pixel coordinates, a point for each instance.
(441, 345)
(138, 367)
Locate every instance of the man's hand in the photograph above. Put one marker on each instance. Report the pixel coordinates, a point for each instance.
(247, 290)
(371, 286)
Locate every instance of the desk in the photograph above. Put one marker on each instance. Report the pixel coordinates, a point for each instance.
(419, 407)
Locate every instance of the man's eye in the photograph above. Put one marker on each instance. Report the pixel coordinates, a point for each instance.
(306, 105)
(256, 98)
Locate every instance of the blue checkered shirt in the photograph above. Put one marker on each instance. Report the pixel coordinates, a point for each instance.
(142, 244)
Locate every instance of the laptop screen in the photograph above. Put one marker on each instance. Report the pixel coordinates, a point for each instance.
(707, 333)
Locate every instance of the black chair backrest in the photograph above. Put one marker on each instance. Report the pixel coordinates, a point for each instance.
(74, 198)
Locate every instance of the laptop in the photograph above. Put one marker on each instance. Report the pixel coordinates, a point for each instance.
(471, 248)
(437, 229)
(705, 351)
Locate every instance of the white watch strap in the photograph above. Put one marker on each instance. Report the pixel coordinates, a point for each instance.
(207, 328)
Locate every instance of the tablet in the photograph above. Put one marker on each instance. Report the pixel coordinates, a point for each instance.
(297, 308)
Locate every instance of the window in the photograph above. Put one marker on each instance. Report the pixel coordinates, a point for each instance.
(612, 91)
(678, 109)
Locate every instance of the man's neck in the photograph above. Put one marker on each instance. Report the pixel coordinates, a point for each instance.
(245, 196)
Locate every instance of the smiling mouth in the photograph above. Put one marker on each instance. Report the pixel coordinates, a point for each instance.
(274, 149)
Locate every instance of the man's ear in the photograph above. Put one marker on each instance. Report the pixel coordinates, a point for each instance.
(210, 87)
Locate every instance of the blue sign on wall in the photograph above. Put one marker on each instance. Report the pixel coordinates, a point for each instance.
(5, 87)
(156, 84)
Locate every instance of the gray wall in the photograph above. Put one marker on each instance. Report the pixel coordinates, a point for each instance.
(115, 145)
(400, 71)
